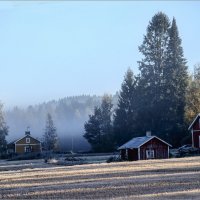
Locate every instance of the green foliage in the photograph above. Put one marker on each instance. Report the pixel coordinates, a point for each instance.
(152, 66)
(193, 96)
(50, 139)
(163, 80)
(3, 132)
(93, 131)
(155, 99)
(124, 123)
(98, 129)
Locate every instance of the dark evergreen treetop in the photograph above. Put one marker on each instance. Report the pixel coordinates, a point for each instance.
(163, 80)
(3, 131)
(176, 74)
(50, 138)
(125, 114)
(92, 129)
(154, 50)
(98, 129)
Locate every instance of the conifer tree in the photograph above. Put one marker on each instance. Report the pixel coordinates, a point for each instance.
(175, 84)
(3, 132)
(163, 80)
(106, 123)
(154, 50)
(92, 130)
(98, 129)
(125, 114)
(50, 138)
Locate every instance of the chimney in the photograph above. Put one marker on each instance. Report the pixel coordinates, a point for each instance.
(148, 133)
(27, 132)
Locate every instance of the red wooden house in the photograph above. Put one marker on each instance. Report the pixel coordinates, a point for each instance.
(195, 131)
(142, 148)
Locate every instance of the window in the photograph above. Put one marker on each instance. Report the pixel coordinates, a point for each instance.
(150, 153)
(27, 140)
(27, 149)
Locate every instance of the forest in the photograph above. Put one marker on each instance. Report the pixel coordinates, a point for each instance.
(163, 98)
(68, 114)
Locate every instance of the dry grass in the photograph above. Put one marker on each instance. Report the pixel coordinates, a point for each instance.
(153, 179)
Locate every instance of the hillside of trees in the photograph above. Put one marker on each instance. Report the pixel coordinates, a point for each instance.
(162, 98)
(69, 115)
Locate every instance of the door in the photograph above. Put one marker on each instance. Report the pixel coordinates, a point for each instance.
(27, 149)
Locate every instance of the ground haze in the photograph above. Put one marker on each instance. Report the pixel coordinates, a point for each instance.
(153, 179)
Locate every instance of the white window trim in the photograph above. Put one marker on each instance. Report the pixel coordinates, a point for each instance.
(199, 141)
(27, 148)
(139, 153)
(150, 154)
(199, 123)
(28, 140)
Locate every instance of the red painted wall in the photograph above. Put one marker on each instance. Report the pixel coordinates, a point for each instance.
(196, 125)
(196, 138)
(160, 149)
(132, 154)
(196, 133)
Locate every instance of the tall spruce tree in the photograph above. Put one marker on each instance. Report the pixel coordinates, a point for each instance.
(50, 138)
(124, 123)
(106, 123)
(163, 80)
(3, 132)
(98, 129)
(151, 83)
(176, 79)
(93, 131)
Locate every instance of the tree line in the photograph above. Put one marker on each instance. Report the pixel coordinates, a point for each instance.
(68, 113)
(49, 140)
(162, 98)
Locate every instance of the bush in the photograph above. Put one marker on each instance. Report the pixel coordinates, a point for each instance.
(71, 158)
(26, 156)
(114, 159)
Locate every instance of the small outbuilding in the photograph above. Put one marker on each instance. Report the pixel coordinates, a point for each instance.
(26, 144)
(194, 128)
(143, 148)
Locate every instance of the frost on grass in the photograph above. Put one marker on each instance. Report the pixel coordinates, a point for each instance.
(153, 179)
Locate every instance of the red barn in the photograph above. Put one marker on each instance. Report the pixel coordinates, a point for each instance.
(195, 131)
(142, 148)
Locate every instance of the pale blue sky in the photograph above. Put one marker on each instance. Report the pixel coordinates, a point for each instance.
(49, 50)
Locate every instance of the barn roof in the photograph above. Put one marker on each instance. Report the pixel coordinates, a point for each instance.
(139, 141)
(198, 115)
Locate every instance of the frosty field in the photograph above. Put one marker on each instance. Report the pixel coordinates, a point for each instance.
(152, 179)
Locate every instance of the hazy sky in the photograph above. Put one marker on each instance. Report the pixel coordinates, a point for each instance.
(49, 50)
